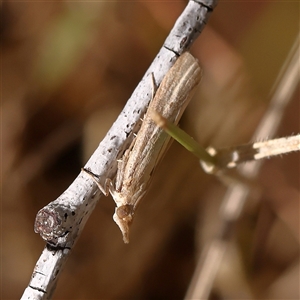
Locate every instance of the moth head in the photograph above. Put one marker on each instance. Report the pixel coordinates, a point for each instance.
(123, 216)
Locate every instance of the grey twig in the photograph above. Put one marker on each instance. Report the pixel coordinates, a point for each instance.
(61, 221)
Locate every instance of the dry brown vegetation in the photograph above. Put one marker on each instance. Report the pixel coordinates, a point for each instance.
(67, 70)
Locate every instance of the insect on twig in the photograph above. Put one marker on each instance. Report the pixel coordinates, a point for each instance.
(136, 168)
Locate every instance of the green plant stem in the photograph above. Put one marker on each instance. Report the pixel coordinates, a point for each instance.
(183, 138)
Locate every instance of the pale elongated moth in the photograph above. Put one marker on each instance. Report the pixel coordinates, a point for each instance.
(136, 168)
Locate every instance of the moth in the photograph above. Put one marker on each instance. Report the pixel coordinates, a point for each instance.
(135, 169)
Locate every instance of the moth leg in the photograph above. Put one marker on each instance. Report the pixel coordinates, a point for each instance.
(154, 89)
(120, 172)
(154, 86)
(106, 188)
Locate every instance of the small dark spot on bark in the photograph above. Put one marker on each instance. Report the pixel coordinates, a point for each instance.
(66, 216)
(65, 233)
(182, 42)
(53, 247)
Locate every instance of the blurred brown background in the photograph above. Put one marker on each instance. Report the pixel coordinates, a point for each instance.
(67, 70)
